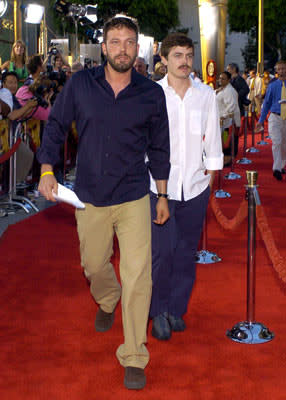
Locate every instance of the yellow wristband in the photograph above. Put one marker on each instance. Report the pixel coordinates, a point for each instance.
(47, 173)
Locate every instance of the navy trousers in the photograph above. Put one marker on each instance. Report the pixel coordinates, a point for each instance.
(174, 247)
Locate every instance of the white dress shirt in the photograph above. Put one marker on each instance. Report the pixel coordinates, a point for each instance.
(227, 100)
(195, 139)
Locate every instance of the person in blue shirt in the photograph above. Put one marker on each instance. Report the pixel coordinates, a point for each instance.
(275, 102)
(121, 117)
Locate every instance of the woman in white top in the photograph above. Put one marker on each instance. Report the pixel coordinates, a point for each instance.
(227, 99)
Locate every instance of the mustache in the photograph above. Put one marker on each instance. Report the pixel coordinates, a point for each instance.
(184, 66)
(124, 55)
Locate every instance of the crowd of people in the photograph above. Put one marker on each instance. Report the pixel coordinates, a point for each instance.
(149, 145)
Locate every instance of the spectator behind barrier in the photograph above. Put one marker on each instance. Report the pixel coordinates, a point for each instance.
(17, 63)
(42, 90)
(35, 67)
(25, 155)
(10, 82)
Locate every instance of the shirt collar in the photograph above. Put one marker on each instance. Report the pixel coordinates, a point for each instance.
(99, 73)
(164, 82)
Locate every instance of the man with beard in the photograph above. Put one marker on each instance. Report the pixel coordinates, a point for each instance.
(196, 153)
(120, 117)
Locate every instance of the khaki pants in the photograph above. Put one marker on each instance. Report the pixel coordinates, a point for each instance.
(132, 223)
(277, 132)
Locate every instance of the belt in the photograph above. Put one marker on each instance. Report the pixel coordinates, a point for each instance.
(275, 113)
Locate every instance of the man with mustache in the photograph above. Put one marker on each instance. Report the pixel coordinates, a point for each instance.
(196, 153)
(120, 117)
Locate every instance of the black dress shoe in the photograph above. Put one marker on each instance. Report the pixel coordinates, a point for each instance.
(134, 378)
(277, 174)
(160, 327)
(177, 323)
(103, 320)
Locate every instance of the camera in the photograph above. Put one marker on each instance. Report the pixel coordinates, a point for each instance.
(53, 51)
(38, 95)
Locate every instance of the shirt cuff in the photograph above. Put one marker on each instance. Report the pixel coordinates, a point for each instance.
(214, 163)
(161, 173)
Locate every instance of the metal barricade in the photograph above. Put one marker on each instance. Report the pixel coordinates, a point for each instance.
(15, 201)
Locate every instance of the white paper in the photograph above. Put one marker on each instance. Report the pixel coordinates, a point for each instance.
(282, 101)
(68, 196)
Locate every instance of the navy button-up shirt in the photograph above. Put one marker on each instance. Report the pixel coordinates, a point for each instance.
(114, 136)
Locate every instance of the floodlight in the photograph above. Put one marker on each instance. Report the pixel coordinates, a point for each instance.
(77, 11)
(34, 13)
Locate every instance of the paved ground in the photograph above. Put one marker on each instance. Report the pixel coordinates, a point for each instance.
(12, 216)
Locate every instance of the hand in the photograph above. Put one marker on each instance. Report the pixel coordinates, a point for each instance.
(31, 103)
(48, 184)
(162, 209)
(258, 127)
(48, 97)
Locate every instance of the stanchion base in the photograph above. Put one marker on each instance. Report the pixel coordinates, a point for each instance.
(262, 143)
(221, 194)
(244, 160)
(206, 257)
(252, 150)
(250, 333)
(232, 176)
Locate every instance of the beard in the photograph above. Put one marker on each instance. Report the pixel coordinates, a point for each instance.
(121, 66)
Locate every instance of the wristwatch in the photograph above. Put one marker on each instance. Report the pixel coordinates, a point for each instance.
(162, 195)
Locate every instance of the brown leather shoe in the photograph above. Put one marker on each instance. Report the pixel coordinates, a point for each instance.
(134, 378)
(103, 320)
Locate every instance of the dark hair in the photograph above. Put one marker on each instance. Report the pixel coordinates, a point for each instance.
(9, 73)
(234, 66)
(227, 74)
(120, 22)
(175, 39)
(42, 81)
(283, 62)
(34, 63)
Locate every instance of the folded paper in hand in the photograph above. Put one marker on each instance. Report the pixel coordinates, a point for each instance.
(68, 196)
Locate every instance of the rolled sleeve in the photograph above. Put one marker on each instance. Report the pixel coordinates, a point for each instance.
(59, 122)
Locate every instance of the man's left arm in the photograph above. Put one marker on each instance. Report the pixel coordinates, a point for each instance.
(159, 156)
(212, 140)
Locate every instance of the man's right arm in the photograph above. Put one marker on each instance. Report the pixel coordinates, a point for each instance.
(267, 103)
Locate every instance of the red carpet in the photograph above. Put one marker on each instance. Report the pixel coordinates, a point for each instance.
(50, 350)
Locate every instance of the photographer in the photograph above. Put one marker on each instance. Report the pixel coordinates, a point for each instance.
(42, 91)
(35, 67)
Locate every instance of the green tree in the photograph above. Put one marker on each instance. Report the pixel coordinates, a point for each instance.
(243, 16)
(155, 17)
